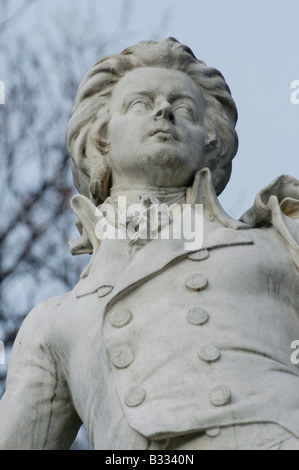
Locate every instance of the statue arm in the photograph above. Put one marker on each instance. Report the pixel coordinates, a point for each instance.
(36, 411)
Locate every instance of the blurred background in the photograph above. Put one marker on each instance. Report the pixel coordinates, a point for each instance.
(45, 49)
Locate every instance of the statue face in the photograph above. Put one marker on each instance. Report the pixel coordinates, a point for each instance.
(156, 131)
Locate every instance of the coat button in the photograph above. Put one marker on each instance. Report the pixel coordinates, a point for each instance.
(199, 255)
(197, 316)
(104, 290)
(120, 317)
(213, 432)
(122, 357)
(220, 396)
(196, 282)
(134, 396)
(208, 353)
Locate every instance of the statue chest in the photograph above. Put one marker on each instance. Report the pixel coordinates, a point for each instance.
(231, 295)
(180, 339)
(183, 337)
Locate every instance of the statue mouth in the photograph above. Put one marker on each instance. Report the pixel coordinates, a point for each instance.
(164, 132)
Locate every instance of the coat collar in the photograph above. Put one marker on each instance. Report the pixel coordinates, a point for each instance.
(112, 259)
(112, 268)
(203, 192)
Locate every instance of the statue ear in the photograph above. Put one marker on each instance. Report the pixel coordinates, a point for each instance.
(99, 170)
(102, 138)
(99, 180)
(211, 159)
(211, 139)
(210, 145)
(210, 151)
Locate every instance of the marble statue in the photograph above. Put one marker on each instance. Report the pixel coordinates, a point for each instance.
(163, 344)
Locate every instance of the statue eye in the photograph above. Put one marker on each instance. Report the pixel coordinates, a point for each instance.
(184, 110)
(139, 105)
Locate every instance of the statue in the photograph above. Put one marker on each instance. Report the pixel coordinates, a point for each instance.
(163, 343)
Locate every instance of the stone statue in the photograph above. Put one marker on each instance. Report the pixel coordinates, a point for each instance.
(163, 344)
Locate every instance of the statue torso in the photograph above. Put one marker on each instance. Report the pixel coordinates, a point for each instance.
(201, 341)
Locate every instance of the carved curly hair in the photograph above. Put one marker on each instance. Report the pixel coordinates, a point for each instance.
(91, 114)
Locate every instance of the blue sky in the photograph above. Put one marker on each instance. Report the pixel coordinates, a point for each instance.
(255, 44)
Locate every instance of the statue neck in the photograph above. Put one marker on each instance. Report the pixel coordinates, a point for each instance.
(164, 195)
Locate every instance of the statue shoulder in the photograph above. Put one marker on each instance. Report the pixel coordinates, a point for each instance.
(41, 319)
(281, 194)
(277, 205)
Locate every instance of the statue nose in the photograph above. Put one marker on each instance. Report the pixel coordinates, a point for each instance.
(165, 111)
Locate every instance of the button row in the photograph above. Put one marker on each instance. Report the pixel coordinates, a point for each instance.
(123, 356)
(219, 396)
(123, 316)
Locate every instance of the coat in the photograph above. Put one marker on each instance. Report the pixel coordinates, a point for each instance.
(169, 341)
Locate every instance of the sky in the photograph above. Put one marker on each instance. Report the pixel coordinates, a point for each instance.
(255, 44)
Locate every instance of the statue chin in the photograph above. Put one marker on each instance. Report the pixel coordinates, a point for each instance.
(163, 167)
(163, 160)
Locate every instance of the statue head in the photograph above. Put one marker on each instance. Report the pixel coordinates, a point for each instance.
(93, 112)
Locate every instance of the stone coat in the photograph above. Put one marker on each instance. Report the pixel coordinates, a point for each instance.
(167, 342)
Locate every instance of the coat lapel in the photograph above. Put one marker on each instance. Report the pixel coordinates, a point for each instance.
(113, 268)
(109, 264)
(159, 254)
